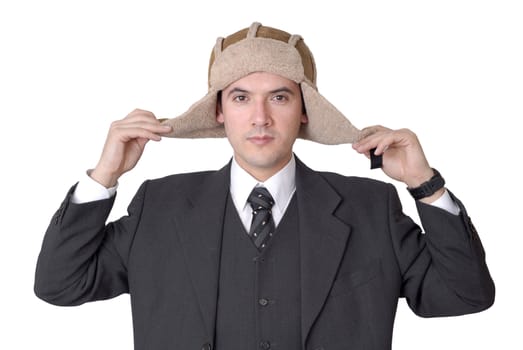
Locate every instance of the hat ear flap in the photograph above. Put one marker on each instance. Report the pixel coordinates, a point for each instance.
(199, 120)
(326, 124)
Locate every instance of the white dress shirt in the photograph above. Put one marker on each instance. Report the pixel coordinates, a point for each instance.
(88, 190)
(281, 186)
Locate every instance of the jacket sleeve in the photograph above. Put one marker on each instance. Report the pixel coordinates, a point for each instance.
(82, 259)
(444, 272)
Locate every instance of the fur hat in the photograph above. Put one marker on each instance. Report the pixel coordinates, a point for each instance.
(271, 50)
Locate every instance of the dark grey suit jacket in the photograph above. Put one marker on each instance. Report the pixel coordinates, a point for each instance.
(359, 254)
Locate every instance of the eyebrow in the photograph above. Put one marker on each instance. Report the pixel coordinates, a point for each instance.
(275, 91)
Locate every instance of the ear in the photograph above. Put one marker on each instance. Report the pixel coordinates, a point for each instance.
(219, 115)
(304, 118)
(219, 110)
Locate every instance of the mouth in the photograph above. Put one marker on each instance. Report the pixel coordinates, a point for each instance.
(260, 139)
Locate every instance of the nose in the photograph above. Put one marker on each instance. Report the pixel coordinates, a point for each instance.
(261, 114)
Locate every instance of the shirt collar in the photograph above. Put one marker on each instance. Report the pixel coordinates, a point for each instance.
(281, 185)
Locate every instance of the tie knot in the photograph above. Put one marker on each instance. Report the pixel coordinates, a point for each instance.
(260, 198)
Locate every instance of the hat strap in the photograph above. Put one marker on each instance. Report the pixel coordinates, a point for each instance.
(253, 30)
(293, 40)
(218, 47)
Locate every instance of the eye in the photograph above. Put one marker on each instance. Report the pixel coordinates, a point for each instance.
(239, 98)
(280, 98)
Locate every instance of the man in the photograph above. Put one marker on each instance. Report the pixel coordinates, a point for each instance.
(264, 253)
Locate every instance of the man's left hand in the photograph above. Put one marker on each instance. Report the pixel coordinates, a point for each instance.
(403, 156)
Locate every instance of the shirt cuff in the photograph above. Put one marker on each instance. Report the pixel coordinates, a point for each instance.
(88, 190)
(445, 202)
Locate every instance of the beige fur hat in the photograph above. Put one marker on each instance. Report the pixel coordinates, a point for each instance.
(271, 50)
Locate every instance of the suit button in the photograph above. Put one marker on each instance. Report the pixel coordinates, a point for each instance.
(263, 302)
(206, 346)
(265, 345)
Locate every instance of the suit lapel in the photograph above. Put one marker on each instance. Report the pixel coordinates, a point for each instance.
(200, 225)
(323, 239)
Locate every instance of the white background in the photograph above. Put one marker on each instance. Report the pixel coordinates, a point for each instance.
(449, 70)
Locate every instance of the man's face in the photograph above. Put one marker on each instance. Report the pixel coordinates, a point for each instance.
(262, 114)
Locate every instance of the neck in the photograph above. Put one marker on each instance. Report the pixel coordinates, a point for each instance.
(262, 174)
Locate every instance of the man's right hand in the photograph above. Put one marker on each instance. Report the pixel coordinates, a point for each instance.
(124, 145)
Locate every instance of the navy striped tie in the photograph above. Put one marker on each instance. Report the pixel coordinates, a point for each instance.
(262, 225)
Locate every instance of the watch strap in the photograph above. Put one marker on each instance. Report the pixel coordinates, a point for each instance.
(428, 188)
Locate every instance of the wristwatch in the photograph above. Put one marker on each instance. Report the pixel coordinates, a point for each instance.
(428, 188)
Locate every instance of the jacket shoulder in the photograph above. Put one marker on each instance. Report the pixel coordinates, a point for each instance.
(179, 183)
(355, 184)
(182, 178)
(189, 185)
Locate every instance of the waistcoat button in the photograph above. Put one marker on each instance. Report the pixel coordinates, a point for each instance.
(265, 345)
(263, 302)
(206, 346)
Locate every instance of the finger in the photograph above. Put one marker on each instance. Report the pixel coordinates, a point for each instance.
(138, 117)
(128, 133)
(151, 125)
(370, 130)
(141, 112)
(383, 143)
(142, 142)
(143, 115)
(384, 139)
(372, 140)
(154, 128)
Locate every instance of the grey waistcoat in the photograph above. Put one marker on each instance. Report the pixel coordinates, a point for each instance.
(259, 293)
